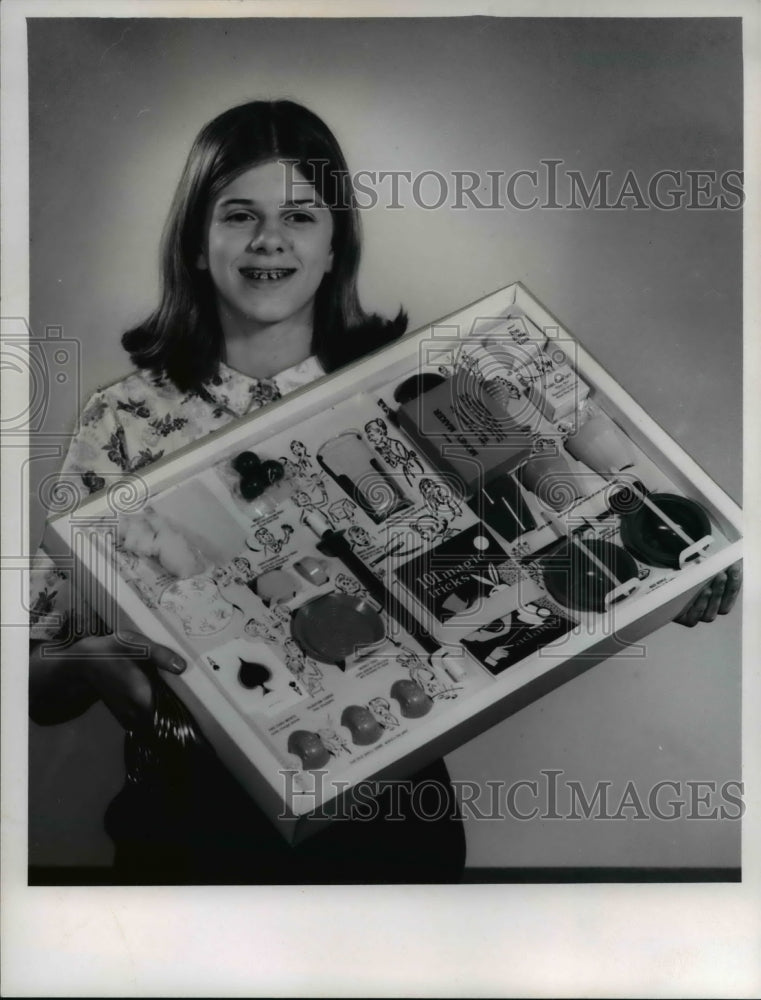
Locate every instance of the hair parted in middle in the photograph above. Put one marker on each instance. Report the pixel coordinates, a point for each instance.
(183, 337)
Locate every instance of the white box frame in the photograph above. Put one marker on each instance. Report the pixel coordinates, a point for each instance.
(242, 751)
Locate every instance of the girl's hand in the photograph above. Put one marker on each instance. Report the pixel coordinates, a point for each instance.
(114, 669)
(118, 669)
(716, 598)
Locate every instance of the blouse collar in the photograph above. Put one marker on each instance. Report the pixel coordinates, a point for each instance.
(239, 394)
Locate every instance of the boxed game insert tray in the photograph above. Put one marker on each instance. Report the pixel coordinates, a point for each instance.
(373, 570)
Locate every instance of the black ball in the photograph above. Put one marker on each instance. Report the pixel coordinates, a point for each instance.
(246, 462)
(253, 485)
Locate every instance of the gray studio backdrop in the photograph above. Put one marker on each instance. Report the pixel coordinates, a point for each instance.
(654, 294)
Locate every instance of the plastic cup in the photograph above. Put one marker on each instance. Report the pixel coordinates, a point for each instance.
(601, 445)
(551, 479)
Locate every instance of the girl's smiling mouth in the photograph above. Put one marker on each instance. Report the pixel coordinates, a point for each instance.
(267, 273)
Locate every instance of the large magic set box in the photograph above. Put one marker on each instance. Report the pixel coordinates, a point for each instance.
(373, 570)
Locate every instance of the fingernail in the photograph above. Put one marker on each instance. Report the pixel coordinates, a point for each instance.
(177, 664)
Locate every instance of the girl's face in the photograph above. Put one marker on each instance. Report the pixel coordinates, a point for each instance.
(266, 256)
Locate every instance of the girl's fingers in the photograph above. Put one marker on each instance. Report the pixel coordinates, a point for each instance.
(160, 656)
(701, 603)
(718, 585)
(732, 588)
(716, 598)
(167, 659)
(692, 614)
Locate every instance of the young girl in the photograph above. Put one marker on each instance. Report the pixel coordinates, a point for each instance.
(259, 296)
(260, 262)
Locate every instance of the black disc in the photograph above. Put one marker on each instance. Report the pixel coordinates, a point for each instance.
(652, 541)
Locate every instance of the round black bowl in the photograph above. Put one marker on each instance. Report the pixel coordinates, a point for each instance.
(577, 581)
(335, 627)
(652, 541)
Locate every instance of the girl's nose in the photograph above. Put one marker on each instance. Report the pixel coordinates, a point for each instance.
(269, 237)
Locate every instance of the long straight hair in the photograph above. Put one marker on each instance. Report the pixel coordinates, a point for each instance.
(183, 338)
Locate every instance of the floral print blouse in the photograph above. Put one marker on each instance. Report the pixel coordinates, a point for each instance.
(125, 427)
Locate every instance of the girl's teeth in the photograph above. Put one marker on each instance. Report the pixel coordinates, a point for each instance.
(268, 275)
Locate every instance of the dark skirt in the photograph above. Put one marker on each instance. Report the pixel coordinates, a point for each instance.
(191, 823)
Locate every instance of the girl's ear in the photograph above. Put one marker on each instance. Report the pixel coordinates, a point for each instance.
(201, 262)
(329, 267)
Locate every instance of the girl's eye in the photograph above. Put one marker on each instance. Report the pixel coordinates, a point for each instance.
(239, 216)
(300, 217)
